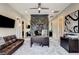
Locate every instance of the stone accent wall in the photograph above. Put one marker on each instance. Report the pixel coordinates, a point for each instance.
(39, 22)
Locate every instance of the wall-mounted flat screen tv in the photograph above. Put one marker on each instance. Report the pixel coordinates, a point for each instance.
(6, 22)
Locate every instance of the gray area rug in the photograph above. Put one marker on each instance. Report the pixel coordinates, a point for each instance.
(53, 49)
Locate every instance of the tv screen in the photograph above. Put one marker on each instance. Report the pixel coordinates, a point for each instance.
(6, 22)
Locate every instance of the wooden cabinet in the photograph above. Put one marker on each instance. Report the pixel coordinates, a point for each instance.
(42, 41)
(69, 44)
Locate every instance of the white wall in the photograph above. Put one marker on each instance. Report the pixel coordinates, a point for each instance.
(58, 22)
(6, 10)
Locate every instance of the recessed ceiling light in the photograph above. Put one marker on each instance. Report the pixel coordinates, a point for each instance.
(52, 11)
(25, 11)
(18, 17)
(55, 11)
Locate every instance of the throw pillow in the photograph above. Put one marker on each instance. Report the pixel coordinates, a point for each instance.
(2, 41)
(10, 41)
(13, 40)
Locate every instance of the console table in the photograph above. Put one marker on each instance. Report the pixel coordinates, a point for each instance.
(71, 45)
(43, 41)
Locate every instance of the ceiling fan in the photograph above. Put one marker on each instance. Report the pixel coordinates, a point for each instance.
(39, 8)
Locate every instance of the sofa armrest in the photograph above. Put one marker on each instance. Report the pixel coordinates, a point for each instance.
(2, 53)
(20, 40)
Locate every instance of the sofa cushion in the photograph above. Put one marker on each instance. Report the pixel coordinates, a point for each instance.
(9, 42)
(6, 44)
(2, 53)
(14, 40)
(7, 38)
(13, 37)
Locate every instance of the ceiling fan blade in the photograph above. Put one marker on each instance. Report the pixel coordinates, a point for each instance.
(33, 8)
(44, 8)
(39, 5)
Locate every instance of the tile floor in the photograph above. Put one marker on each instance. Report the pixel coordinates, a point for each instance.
(54, 49)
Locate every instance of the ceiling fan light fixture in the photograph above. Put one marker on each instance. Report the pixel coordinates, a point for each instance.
(25, 11)
(39, 8)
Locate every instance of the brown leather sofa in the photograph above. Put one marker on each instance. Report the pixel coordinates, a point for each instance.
(11, 45)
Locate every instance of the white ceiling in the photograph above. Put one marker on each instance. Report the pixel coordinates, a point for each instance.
(21, 7)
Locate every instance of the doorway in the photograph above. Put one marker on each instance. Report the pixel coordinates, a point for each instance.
(22, 29)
